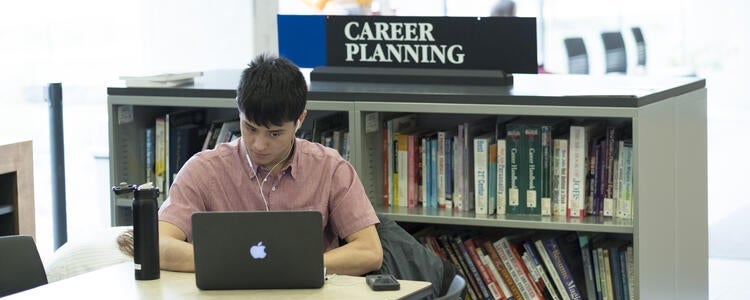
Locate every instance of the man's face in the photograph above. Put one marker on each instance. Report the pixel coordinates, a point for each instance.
(267, 145)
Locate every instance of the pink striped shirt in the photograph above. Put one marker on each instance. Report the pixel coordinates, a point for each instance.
(317, 178)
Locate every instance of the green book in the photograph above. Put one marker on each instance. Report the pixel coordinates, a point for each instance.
(516, 180)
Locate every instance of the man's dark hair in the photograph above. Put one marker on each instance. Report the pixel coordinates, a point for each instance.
(272, 90)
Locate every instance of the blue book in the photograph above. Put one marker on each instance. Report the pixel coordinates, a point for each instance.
(563, 268)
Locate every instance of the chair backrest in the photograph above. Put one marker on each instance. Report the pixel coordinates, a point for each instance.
(21, 266)
(614, 51)
(456, 290)
(640, 45)
(578, 58)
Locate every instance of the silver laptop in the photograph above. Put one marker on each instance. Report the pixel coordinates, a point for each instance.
(258, 250)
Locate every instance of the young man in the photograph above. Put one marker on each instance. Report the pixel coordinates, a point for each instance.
(269, 169)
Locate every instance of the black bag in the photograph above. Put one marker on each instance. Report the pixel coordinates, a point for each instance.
(407, 259)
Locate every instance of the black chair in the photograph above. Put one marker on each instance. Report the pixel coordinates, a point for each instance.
(20, 265)
(640, 45)
(578, 58)
(614, 52)
(456, 291)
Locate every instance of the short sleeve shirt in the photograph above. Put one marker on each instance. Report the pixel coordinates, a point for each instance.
(316, 178)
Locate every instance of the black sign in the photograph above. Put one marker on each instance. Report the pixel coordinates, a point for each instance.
(488, 43)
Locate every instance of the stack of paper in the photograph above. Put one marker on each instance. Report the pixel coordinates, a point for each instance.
(161, 80)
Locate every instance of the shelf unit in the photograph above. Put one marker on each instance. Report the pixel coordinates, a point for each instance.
(17, 188)
(668, 117)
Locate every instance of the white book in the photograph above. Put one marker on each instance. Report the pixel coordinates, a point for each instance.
(551, 269)
(486, 260)
(441, 168)
(577, 172)
(501, 189)
(625, 204)
(559, 176)
(402, 165)
(481, 161)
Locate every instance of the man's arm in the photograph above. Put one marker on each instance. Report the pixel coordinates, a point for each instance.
(175, 254)
(361, 254)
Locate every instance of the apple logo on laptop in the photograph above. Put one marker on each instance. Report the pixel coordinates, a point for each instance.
(258, 251)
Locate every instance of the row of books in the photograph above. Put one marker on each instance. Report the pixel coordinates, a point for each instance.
(551, 166)
(565, 266)
(177, 136)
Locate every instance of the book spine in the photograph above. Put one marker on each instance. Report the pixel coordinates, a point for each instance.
(626, 192)
(611, 136)
(461, 267)
(424, 170)
(560, 177)
(160, 154)
(533, 149)
(458, 182)
(497, 261)
(546, 170)
(551, 269)
(513, 169)
(536, 263)
(624, 275)
(474, 272)
(441, 168)
(588, 269)
(411, 161)
(386, 166)
(576, 172)
(501, 175)
(492, 286)
(630, 271)
(608, 274)
(553, 250)
(487, 261)
(433, 173)
(514, 266)
(602, 273)
(480, 175)
(492, 180)
(449, 169)
(149, 161)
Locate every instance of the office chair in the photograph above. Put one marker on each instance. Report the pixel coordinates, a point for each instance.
(614, 51)
(640, 45)
(456, 290)
(578, 58)
(21, 266)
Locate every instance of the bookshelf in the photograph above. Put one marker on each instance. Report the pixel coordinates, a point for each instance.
(667, 116)
(16, 188)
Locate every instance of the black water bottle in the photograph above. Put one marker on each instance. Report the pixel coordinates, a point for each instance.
(145, 229)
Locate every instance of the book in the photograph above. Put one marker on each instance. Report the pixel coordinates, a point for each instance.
(160, 156)
(500, 266)
(533, 263)
(577, 171)
(545, 161)
(481, 174)
(225, 131)
(149, 161)
(487, 261)
(492, 180)
(532, 140)
(402, 170)
(625, 196)
(551, 270)
(161, 80)
(514, 171)
(564, 269)
(501, 177)
(445, 241)
(559, 177)
(472, 268)
(588, 267)
(492, 286)
(515, 267)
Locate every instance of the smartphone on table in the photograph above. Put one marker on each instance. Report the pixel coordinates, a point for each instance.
(382, 282)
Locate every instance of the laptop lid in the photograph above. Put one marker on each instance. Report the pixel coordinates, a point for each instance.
(258, 250)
